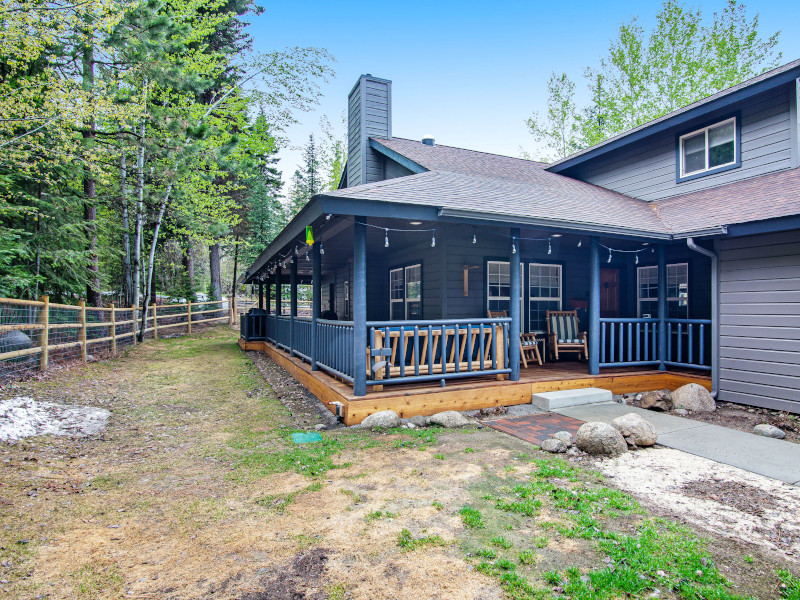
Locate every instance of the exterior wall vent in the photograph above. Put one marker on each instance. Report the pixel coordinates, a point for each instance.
(428, 140)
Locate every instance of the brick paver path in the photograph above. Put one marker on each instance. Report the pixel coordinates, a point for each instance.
(536, 428)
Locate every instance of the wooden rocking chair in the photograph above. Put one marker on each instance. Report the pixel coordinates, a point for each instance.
(562, 330)
(528, 345)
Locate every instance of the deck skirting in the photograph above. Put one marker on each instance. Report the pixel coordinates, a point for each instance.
(473, 395)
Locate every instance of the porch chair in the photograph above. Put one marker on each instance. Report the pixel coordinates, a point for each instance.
(528, 345)
(562, 331)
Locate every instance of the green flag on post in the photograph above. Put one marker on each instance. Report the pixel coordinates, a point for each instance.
(309, 235)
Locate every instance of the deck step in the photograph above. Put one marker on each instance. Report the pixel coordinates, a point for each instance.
(564, 398)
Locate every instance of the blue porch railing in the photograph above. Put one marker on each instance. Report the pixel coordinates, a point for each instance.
(302, 338)
(418, 351)
(335, 348)
(630, 342)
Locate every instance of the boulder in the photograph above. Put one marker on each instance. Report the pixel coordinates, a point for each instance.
(418, 421)
(449, 419)
(554, 446)
(769, 431)
(681, 412)
(636, 430)
(693, 397)
(564, 436)
(600, 438)
(384, 418)
(320, 427)
(657, 400)
(14, 340)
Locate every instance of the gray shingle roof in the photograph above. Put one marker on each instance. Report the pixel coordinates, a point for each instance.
(757, 199)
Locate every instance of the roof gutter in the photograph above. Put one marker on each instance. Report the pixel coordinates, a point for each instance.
(714, 312)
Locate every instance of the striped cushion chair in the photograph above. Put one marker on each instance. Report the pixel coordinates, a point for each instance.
(563, 334)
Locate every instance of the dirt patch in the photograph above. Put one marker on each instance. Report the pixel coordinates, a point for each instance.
(719, 499)
(736, 494)
(22, 417)
(299, 581)
(305, 408)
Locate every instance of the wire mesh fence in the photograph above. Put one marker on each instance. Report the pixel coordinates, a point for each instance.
(37, 334)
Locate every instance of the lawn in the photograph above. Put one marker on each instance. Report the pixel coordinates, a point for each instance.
(195, 490)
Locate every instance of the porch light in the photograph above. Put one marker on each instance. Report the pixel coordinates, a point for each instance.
(415, 223)
(556, 235)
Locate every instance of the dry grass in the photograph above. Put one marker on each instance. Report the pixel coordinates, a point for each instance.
(194, 491)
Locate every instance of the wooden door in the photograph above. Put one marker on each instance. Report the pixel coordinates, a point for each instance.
(609, 292)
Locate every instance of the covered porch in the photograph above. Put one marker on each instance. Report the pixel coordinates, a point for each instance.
(399, 305)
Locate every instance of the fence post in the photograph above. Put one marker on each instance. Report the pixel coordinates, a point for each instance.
(82, 332)
(231, 311)
(113, 330)
(133, 325)
(155, 322)
(44, 320)
(188, 317)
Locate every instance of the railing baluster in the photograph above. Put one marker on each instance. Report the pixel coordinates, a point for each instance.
(669, 341)
(702, 343)
(482, 349)
(630, 344)
(469, 347)
(387, 342)
(690, 342)
(613, 342)
(638, 342)
(443, 349)
(494, 347)
(457, 349)
(430, 350)
(602, 343)
(680, 342)
(401, 351)
(416, 351)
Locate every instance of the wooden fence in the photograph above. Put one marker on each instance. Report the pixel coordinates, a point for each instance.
(36, 334)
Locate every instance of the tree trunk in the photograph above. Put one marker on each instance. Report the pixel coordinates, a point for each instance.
(235, 265)
(214, 266)
(151, 259)
(93, 297)
(137, 230)
(127, 274)
(188, 266)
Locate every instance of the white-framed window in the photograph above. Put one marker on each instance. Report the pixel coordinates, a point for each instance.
(414, 292)
(677, 291)
(498, 285)
(544, 293)
(708, 148)
(405, 293)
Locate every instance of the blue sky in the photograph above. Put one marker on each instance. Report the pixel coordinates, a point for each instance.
(468, 73)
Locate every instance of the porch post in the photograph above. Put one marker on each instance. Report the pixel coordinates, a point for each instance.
(594, 307)
(316, 301)
(360, 307)
(662, 306)
(514, 330)
(278, 291)
(260, 294)
(293, 303)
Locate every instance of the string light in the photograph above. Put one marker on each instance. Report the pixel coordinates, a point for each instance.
(513, 245)
(474, 238)
(307, 259)
(609, 255)
(549, 247)
(433, 239)
(321, 249)
(579, 243)
(386, 240)
(328, 217)
(637, 259)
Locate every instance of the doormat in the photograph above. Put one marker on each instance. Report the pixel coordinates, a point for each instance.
(536, 428)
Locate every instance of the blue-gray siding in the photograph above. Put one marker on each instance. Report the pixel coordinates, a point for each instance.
(369, 114)
(646, 169)
(760, 320)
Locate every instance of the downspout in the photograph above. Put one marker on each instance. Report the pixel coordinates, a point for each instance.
(714, 313)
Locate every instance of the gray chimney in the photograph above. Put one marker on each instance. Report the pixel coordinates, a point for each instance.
(369, 114)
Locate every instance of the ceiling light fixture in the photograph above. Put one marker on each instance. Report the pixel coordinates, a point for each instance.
(415, 223)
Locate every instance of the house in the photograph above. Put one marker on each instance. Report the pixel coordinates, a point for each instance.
(677, 243)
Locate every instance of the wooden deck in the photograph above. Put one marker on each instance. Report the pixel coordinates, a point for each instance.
(472, 394)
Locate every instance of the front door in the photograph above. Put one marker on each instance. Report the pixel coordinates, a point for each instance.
(609, 292)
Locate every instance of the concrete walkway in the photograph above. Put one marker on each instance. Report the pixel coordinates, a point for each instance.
(766, 456)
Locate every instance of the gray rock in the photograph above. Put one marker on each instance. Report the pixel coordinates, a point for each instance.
(636, 430)
(449, 419)
(320, 427)
(418, 421)
(681, 412)
(693, 397)
(769, 431)
(573, 451)
(554, 446)
(657, 400)
(411, 426)
(564, 436)
(14, 340)
(600, 438)
(384, 418)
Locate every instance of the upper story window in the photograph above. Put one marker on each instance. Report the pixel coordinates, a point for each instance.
(713, 148)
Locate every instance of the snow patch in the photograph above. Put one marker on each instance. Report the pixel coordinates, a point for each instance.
(23, 417)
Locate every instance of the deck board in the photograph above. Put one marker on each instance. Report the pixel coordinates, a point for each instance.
(480, 392)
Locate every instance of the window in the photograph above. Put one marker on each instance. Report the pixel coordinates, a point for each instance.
(708, 149)
(499, 285)
(677, 291)
(405, 293)
(544, 293)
